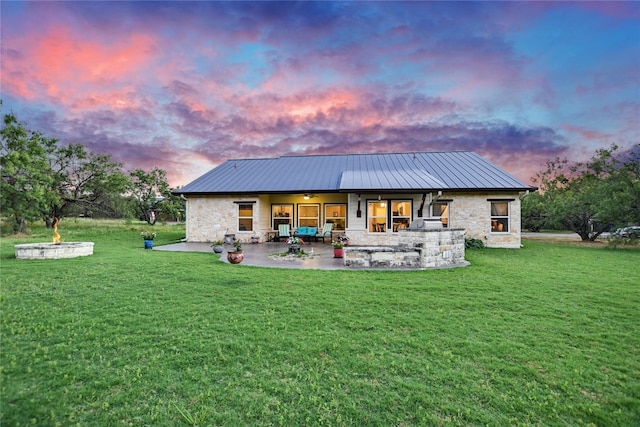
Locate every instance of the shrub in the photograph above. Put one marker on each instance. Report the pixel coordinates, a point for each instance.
(615, 241)
(473, 243)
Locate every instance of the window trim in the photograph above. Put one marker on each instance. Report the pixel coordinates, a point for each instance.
(392, 216)
(344, 218)
(299, 217)
(370, 217)
(447, 202)
(274, 218)
(506, 218)
(388, 218)
(239, 217)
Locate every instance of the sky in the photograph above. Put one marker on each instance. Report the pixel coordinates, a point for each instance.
(185, 86)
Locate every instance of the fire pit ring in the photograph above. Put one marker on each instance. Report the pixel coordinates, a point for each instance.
(53, 250)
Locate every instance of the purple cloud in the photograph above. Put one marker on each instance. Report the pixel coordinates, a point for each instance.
(187, 85)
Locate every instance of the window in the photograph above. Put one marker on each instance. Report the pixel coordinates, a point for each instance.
(441, 210)
(377, 214)
(336, 214)
(281, 214)
(308, 215)
(500, 216)
(400, 214)
(245, 216)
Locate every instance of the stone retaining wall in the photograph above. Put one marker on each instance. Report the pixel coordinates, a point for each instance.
(53, 250)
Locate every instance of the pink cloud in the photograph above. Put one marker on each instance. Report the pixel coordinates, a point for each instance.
(588, 134)
(75, 71)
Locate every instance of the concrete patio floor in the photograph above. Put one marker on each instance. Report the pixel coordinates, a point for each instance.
(261, 254)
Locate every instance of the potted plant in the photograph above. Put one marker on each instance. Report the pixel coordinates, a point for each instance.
(217, 246)
(148, 237)
(294, 244)
(343, 239)
(338, 249)
(236, 256)
(255, 239)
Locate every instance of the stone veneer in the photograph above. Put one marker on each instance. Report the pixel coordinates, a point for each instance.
(53, 250)
(417, 248)
(210, 217)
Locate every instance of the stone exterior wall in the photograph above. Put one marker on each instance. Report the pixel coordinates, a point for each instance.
(472, 211)
(420, 249)
(210, 217)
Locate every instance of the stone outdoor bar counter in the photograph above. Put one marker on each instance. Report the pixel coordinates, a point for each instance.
(422, 247)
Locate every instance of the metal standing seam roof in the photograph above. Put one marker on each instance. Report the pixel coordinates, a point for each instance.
(420, 171)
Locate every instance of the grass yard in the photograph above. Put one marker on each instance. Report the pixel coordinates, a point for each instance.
(548, 335)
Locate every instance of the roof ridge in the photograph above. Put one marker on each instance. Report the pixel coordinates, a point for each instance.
(349, 154)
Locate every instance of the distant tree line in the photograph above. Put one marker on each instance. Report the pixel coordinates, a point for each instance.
(42, 180)
(589, 197)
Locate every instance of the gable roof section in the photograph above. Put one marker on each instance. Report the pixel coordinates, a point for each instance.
(457, 170)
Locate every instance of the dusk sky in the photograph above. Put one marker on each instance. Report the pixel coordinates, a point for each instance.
(185, 86)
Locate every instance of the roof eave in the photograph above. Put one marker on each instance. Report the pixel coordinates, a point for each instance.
(357, 190)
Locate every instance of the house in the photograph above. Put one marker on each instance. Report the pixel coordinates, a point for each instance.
(368, 197)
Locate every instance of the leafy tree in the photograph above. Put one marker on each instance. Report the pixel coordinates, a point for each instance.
(534, 212)
(41, 180)
(590, 197)
(86, 183)
(618, 174)
(26, 185)
(151, 195)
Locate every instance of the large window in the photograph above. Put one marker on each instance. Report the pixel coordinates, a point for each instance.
(388, 213)
(441, 210)
(400, 214)
(337, 215)
(309, 215)
(281, 214)
(245, 216)
(377, 215)
(500, 216)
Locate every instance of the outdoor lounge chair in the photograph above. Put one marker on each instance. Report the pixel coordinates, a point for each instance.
(326, 231)
(284, 232)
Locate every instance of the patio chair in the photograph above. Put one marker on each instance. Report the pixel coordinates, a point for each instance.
(326, 231)
(284, 231)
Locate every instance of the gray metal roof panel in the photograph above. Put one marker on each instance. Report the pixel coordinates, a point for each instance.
(457, 170)
(388, 180)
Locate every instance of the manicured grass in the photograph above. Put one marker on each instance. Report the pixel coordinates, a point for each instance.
(545, 335)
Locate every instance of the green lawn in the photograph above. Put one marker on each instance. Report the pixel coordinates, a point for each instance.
(545, 335)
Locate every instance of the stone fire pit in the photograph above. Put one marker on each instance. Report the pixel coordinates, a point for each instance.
(53, 250)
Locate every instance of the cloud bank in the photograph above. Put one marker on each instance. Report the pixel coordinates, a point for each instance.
(184, 86)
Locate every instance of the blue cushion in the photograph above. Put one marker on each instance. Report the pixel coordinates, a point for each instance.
(312, 231)
(303, 231)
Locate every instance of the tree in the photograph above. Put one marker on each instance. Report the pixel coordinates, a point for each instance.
(590, 197)
(26, 184)
(534, 212)
(619, 186)
(151, 194)
(41, 180)
(86, 183)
